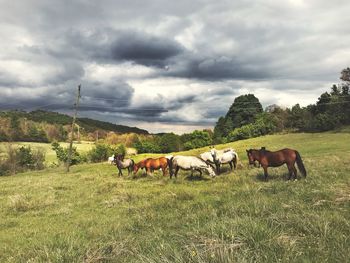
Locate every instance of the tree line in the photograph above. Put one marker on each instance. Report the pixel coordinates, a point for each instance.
(246, 117)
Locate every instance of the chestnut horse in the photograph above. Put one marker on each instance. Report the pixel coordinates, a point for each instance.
(152, 164)
(278, 158)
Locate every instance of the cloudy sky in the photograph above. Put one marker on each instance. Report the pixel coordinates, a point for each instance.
(169, 65)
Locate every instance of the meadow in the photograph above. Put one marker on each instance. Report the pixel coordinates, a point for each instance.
(92, 215)
(82, 147)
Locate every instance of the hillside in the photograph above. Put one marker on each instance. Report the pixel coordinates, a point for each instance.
(63, 119)
(92, 215)
(43, 126)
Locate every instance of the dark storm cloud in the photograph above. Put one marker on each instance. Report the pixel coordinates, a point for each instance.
(97, 96)
(226, 47)
(217, 69)
(144, 49)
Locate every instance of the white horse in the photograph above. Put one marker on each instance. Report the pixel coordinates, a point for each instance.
(227, 156)
(209, 156)
(192, 163)
(111, 159)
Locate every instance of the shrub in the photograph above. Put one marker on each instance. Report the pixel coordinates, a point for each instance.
(121, 149)
(196, 139)
(100, 153)
(265, 124)
(22, 159)
(62, 154)
(146, 147)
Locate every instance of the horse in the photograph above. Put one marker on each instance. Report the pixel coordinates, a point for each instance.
(209, 158)
(152, 164)
(111, 159)
(192, 163)
(278, 158)
(227, 156)
(123, 164)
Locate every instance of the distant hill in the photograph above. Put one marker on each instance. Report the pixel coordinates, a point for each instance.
(47, 126)
(90, 125)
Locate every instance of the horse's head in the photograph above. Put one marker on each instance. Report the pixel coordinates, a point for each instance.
(214, 153)
(136, 167)
(251, 156)
(211, 171)
(120, 157)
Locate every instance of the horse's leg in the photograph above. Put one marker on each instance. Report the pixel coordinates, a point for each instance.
(176, 171)
(231, 166)
(200, 172)
(120, 172)
(265, 172)
(290, 171)
(235, 163)
(164, 170)
(295, 172)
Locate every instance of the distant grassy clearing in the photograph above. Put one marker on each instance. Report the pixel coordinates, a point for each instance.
(50, 154)
(92, 215)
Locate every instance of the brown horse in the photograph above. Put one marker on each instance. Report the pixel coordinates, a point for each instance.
(140, 164)
(278, 158)
(152, 164)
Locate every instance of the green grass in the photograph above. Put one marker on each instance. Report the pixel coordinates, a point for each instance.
(50, 155)
(91, 215)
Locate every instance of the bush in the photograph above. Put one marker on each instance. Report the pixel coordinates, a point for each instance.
(100, 153)
(265, 124)
(121, 149)
(22, 159)
(146, 146)
(196, 139)
(62, 154)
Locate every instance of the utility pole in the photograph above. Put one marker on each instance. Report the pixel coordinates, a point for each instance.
(76, 106)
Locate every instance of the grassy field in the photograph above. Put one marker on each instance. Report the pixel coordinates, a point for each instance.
(46, 147)
(91, 215)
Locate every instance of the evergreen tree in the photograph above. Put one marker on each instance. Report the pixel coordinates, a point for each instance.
(244, 110)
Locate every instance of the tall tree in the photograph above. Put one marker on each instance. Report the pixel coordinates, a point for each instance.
(244, 110)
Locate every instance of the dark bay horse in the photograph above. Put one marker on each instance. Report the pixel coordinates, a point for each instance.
(278, 158)
(152, 164)
(123, 164)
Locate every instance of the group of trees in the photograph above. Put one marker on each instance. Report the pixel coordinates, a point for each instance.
(15, 127)
(99, 153)
(170, 142)
(246, 118)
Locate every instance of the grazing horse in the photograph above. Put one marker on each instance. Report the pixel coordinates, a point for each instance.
(192, 163)
(278, 158)
(123, 164)
(152, 164)
(227, 156)
(208, 157)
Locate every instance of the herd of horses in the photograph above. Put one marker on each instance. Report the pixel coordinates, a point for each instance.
(212, 161)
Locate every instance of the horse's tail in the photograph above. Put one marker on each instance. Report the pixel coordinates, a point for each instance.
(170, 165)
(236, 159)
(300, 164)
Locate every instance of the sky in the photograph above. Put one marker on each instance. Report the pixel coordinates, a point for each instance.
(169, 66)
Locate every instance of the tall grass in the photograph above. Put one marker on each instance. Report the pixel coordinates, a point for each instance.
(92, 215)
